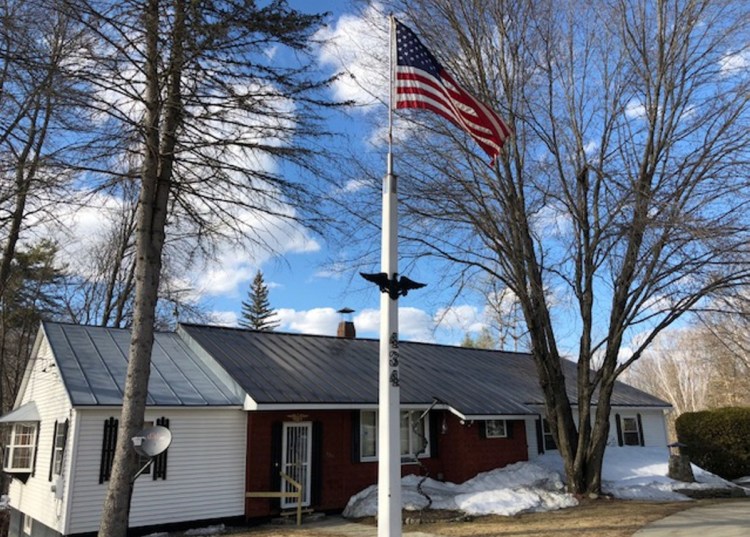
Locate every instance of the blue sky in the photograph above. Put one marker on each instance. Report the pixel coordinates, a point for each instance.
(302, 288)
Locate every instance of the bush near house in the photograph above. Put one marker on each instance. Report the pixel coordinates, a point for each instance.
(717, 440)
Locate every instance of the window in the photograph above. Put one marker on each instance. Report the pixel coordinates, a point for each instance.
(413, 432)
(19, 451)
(27, 524)
(58, 448)
(109, 441)
(368, 435)
(631, 432)
(547, 436)
(414, 435)
(142, 459)
(495, 429)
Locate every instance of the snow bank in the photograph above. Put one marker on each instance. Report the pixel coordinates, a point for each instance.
(517, 488)
(632, 473)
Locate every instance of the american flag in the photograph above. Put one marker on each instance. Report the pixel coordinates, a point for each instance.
(421, 82)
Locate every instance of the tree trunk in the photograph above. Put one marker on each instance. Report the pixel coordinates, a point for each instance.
(150, 232)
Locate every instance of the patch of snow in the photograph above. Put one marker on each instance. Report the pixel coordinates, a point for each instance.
(517, 488)
(631, 473)
(209, 530)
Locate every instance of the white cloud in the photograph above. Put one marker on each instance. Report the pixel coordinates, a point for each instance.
(334, 271)
(591, 148)
(81, 227)
(316, 321)
(414, 324)
(465, 318)
(635, 110)
(357, 45)
(734, 63)
(223, 318)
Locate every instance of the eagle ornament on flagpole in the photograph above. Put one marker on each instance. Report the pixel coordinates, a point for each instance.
(417, 80)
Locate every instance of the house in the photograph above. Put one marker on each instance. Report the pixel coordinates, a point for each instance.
(244, 406)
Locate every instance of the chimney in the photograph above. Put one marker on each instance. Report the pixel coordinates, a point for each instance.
(346, 325)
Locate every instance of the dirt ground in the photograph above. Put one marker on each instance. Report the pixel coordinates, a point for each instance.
(599, 518)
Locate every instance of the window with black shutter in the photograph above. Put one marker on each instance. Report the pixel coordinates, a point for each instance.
(160, 461)
(59, 439)
(109, 441)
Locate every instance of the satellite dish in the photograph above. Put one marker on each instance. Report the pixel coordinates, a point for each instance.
(152, 441)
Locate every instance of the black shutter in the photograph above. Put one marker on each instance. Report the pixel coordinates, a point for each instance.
(52, 457)
(356, 448)
(640, 431)
(316, 470)
(435, 425)
(482, 429)
(36, 449)
(509, 426)
(160, 461)
(109, 441)
(618, 423)
(276, 444)
(539, 436)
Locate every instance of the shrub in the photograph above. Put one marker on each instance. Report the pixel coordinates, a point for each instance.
(717, 440)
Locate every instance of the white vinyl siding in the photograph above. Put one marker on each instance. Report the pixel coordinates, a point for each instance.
(652, 426)
(36, 498)
(206, 469)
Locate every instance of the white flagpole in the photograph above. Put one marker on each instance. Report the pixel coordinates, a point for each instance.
(389, 442)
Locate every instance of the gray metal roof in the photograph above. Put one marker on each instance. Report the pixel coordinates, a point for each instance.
(286, 369)
(92, 361)
(25, 412)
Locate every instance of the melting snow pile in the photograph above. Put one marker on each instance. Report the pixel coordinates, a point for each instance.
(628, 473)
(517, 488)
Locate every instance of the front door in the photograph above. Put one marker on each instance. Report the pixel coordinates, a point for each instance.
(296, 454)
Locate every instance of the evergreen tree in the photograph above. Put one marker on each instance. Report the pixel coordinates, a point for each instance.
(256, 310)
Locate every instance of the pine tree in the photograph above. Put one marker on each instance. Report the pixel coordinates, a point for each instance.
(256, 310)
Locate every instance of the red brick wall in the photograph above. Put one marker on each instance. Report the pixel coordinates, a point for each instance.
(465, 453)
(462, 453)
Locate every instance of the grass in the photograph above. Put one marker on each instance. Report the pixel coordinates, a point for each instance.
(598, 518)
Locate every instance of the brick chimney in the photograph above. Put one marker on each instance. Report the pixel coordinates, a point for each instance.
(346, 325)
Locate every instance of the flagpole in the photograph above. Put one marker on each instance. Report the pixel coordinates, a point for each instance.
(389, 443)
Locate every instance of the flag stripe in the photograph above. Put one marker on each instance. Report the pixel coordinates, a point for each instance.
(421, 82)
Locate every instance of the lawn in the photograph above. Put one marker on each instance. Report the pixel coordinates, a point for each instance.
(600, 518)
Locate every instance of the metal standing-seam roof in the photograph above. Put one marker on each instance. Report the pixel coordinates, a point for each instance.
(293, 369)
(92, 361)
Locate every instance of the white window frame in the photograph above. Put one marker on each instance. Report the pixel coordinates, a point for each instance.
(28, 524)
(548, 439)
(634, 431)
(26, 430)
(58, 448)
(364, 438)
(492, 429)
(407, 456)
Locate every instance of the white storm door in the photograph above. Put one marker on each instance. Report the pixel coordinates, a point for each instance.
(296, 454)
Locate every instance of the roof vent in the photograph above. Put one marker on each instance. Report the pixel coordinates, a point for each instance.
(346, 324)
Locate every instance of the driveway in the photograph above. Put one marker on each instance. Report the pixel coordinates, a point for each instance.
(726, 519)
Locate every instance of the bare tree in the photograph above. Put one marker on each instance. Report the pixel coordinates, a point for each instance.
(621, 201)
(38, 105)
(677, 369)
(194, 93)
(696, 367)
